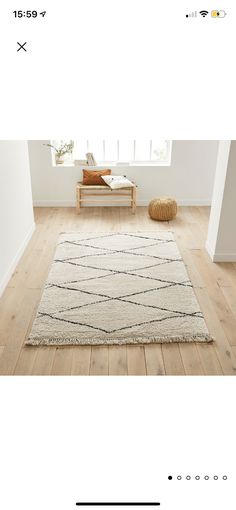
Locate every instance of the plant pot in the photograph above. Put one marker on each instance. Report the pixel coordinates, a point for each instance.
(59, 160)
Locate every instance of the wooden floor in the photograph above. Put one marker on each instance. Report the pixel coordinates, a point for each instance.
(215, 286)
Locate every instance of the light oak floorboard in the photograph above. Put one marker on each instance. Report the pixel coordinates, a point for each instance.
(25, 361)
(62, 361)
(172, 359)
(81, 360)
(209, 359)
(136, 360)
(118, 360)
(43, 362)
(190, 358)
(222, 346)
(17, 331)
(99, 360)
(230, 296)
(1, 350)
(154, 359)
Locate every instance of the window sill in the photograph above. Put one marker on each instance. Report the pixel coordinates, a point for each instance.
(112, 165)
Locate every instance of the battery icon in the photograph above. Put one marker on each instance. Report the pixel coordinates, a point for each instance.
(218, 14)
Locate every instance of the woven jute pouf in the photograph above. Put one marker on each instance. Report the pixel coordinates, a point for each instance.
(162, 209)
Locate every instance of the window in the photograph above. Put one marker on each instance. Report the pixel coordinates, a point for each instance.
(123, 152)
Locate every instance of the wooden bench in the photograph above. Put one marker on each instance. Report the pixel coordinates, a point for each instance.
(85, 192)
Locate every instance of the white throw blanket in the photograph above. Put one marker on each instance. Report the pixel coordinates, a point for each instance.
(117, 181)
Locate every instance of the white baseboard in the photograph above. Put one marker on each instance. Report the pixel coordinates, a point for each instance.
(181, 202)
(220, 257)
(16, 259)
(140, 203)
(224, 257)
(194, 202)
(54, 203)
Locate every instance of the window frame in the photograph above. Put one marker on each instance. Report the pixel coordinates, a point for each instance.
(122, 163)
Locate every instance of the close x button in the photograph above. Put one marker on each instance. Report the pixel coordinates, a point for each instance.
(22, 46)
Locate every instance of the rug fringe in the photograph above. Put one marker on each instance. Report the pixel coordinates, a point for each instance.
(206, 338)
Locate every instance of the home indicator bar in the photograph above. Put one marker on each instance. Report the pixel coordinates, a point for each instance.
(114, 503)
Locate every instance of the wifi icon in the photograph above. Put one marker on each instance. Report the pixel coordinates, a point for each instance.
(204, 13)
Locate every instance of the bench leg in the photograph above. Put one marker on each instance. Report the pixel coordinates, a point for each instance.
(133, 200)
(78, 200)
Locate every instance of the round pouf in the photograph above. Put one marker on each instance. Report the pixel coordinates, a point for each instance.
(162, 209)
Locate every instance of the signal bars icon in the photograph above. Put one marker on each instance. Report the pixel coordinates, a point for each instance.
(192, 14)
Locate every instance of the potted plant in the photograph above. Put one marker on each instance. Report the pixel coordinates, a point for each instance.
(61, 150)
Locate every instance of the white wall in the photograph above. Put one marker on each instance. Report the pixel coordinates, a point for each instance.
(221, 239)
(16, 211)
(190, 177)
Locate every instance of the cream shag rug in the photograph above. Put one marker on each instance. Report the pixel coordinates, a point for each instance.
(118, 288)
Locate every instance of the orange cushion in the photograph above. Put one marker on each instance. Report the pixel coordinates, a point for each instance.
(93, 177)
